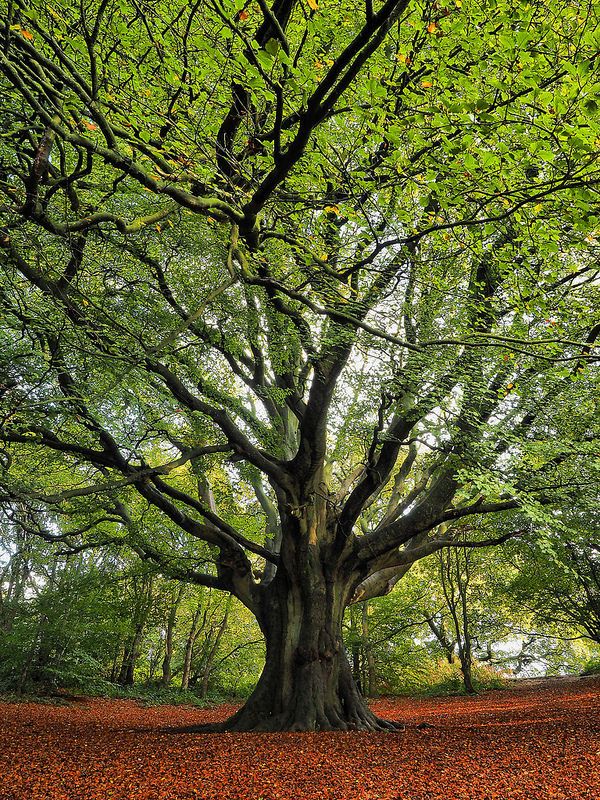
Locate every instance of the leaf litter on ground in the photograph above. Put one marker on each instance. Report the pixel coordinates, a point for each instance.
(532, 741)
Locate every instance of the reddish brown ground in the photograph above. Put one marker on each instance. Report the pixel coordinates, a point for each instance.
(530, 742)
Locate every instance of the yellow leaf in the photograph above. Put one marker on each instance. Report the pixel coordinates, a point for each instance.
(312, 4)
(332, 209)
(537, 208)
(432, 27)
(426, 84)
(458, 3)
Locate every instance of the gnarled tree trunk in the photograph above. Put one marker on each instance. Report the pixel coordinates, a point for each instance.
(307, 682)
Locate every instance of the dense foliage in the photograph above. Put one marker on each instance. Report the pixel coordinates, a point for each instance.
(295, 296)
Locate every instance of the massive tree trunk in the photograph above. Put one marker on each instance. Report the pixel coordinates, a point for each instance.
(307, 682)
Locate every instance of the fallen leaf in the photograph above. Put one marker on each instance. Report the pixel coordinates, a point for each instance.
(521, 743)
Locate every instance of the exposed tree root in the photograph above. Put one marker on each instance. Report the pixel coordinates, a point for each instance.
(331, 721)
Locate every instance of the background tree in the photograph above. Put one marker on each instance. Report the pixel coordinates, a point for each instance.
(296, 288)
(558, 580)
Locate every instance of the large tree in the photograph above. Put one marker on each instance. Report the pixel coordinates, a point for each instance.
(303, 284)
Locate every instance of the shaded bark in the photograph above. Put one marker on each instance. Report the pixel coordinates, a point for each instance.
(131, 654)
(440, 633)
(307, 682)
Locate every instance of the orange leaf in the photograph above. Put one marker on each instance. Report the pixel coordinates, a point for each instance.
(243, 15)
(27, 34)
(426, 84)
(313, 4)
(89, 125)
(432, 27)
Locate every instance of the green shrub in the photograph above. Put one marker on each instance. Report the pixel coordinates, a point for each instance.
(438, 678)
(592, 666)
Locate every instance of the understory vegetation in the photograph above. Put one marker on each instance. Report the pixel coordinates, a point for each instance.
(101, 625)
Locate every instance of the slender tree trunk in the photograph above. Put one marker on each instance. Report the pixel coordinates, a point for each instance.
(114, 671)
(131, 654)
(27, 664)
(143, 598)
(169, 632)
(356, 666)
(370, 673)
(444, 640)
(466, 665)
(193, 634)
(455, 576)
(212, 652)
(465, 649)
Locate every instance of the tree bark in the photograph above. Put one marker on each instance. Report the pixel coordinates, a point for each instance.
(193, 634)
(212, 652)
(169, 632)
(131, 655)
(143, 597)
(370, 679)
(307, 682)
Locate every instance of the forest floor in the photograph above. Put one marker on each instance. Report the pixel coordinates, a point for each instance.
(532, 741)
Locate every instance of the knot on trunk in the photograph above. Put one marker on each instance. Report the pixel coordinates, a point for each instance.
(306, 655)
